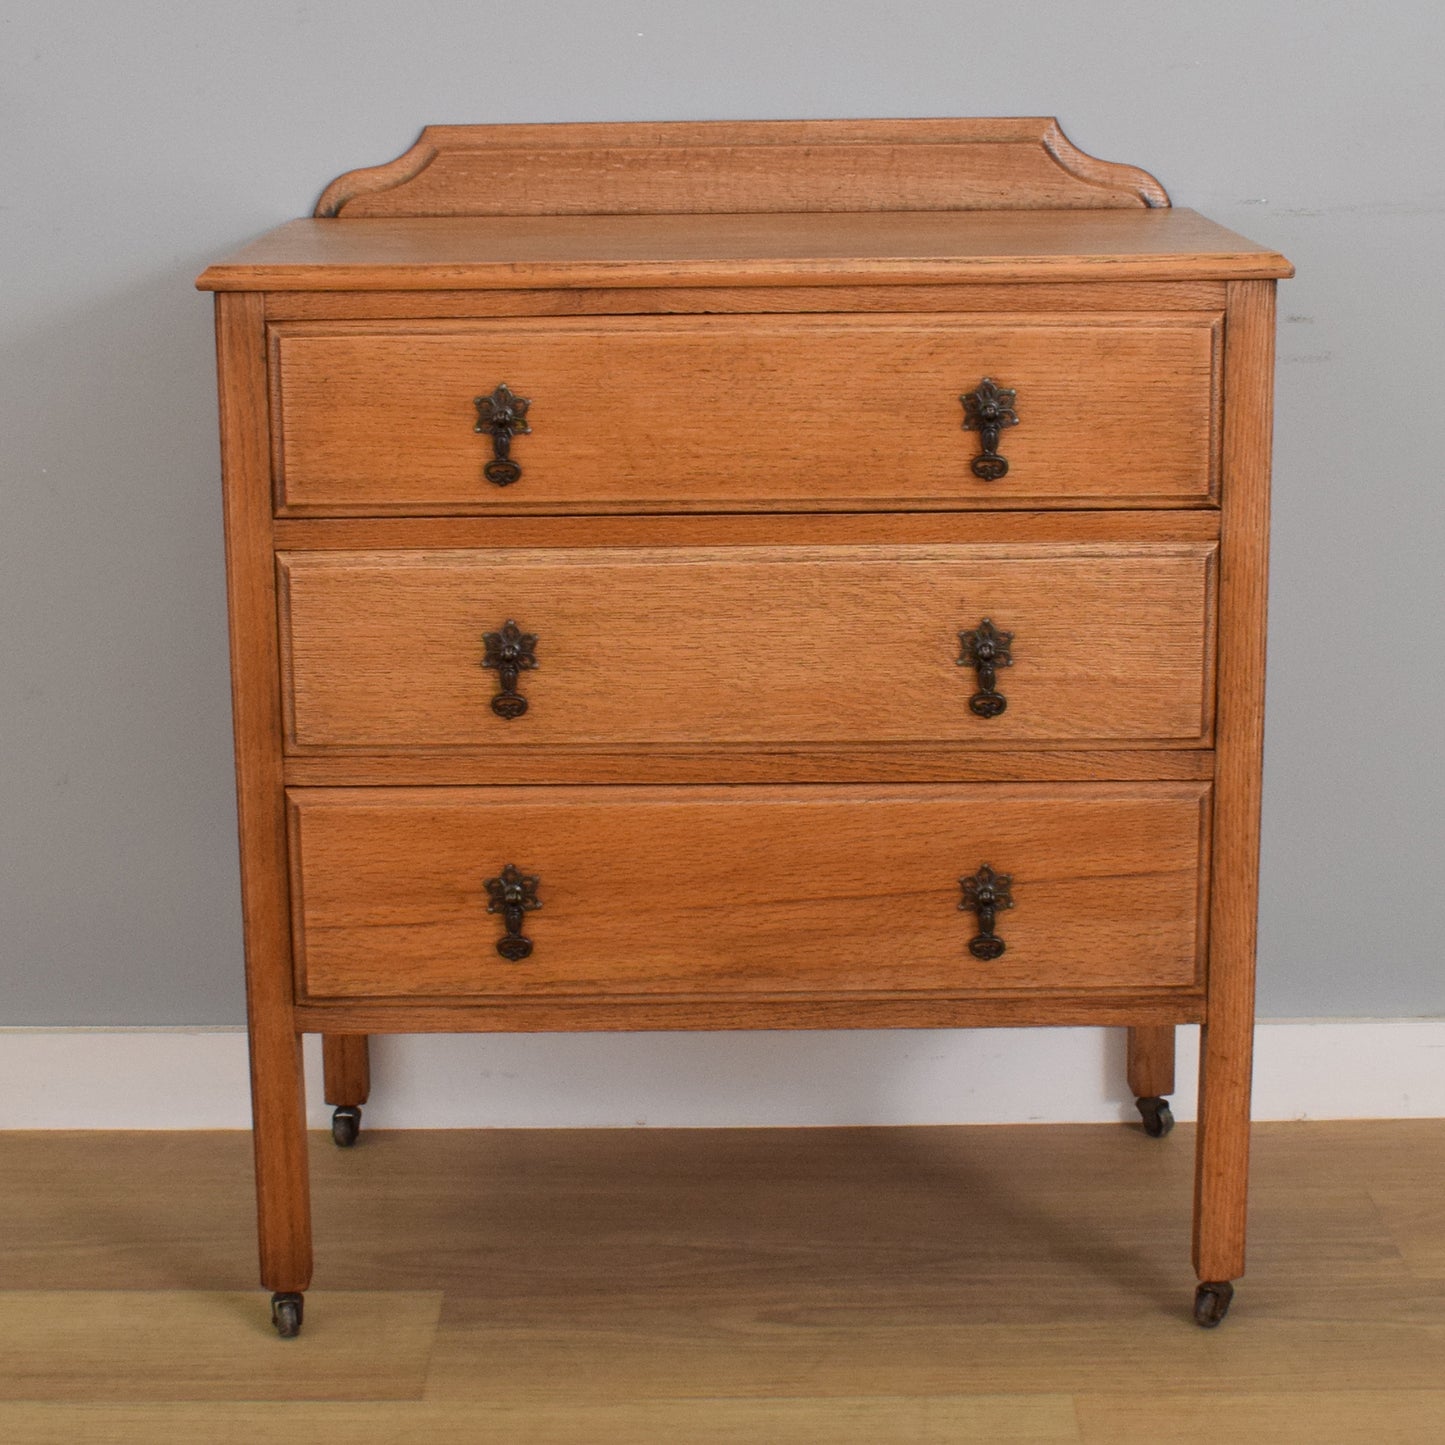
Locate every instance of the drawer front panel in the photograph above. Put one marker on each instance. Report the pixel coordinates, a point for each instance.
(1110, 643)
(751, 413)
(761, 891)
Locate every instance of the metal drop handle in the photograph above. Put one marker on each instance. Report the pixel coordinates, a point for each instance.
(511, 652)
(503, 415)
(986, 893)
(513, 894)
(986, 648)
(988, 411)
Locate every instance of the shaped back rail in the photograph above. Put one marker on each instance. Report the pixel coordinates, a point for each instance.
(708, 167)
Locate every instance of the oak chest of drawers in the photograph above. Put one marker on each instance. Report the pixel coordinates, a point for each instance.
(778, 575)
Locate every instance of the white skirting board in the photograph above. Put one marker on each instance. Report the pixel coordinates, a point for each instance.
(196, 1078)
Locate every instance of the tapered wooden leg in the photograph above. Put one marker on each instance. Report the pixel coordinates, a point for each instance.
(1221, 1170)
(283, 1189)
(346, 1060)
(1226, 1053)
(1221, 1165)
(1151, 1076)
(1151, 1060)
(347, 1064)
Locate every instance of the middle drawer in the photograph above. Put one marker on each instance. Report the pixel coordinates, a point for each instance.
(1067, 643)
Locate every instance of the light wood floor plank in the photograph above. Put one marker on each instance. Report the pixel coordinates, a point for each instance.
(204, 1345)
(761, 1285)
(614, 1356)
(1359, 1153)
(1336, 1417)
(1415, 1220)
(127, 1210)
(1035, 1420)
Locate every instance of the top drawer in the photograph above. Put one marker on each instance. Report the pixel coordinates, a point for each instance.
(744, 413)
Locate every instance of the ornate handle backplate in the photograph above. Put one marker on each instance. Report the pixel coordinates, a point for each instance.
(513, 895)
(985, 893)
(512, 652)
(504, 415)
(987, 649)
(989, 410)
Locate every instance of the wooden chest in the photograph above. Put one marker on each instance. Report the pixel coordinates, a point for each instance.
(770, 575)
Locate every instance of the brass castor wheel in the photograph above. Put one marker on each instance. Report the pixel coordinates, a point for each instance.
(345, 1126)
(286, 1311)
(1211, 1303)
(1158, 1120)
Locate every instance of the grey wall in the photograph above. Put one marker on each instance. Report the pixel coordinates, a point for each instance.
(140, 140)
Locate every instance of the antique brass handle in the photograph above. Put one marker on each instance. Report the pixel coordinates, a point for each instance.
(986, 648)
(503, 414)
(985, 893)
(511, 652)
(989, 410)
(513, 895)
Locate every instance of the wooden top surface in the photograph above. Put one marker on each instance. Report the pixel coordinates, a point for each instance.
(898, 247)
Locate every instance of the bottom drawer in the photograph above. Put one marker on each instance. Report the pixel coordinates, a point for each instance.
(745, 891)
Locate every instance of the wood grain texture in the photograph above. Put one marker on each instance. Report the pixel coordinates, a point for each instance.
(277, 1089)
(939, 1420)
(723, 1285)
(1226, 1054)
(197, 1345)
(960, 763)
(847, 249)
(981, 296)
(346, 1065)
(1341, 1417)
(1360, 1416)
(746, 413)
(732, 892)
(743, 529)
(1150, 1065)
(731, 166)
(748, 647)
(1416, 1223)
(1033, 1008)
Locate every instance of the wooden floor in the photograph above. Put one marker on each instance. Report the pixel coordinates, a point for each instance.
(767, 1287)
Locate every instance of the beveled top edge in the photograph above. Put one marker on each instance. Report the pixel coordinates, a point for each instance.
(521, 252)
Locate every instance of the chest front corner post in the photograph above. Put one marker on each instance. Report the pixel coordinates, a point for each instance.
(1227, 1038)
(277, 1087)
